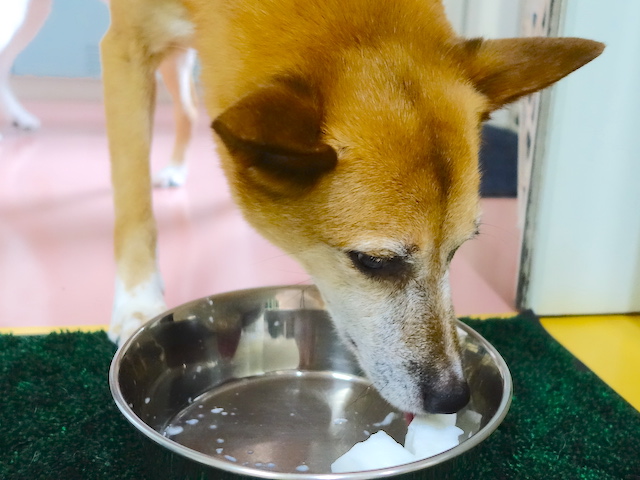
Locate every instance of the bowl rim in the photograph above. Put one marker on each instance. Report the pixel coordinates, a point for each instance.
(210, 461)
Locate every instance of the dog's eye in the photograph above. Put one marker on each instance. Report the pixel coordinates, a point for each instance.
(378, 266)
(367, 261)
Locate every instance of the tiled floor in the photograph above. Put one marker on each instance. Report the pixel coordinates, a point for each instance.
(56, 267)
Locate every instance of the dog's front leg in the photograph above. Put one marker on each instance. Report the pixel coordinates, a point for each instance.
(129, 86)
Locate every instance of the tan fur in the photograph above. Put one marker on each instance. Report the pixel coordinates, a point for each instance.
(343, 127)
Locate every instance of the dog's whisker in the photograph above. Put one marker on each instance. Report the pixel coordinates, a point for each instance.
(493, 226)
(499, 233)
(367, 391)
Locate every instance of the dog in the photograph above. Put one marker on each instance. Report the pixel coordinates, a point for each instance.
(23, 19)
(349, 134)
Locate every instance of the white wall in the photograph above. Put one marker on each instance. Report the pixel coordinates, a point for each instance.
(484, 18)
(488, 19)
(585, 244)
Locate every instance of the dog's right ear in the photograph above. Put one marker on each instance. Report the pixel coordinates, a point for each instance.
(275, 132)
(509, 68)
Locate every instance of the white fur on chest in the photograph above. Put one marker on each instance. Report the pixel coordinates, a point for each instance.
(168, 26)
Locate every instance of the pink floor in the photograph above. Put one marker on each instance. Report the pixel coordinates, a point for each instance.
(56, 265)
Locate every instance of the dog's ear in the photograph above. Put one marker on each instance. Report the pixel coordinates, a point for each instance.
(276, 132)
(507, 69)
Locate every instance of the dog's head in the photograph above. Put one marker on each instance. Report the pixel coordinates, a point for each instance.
(365, 169)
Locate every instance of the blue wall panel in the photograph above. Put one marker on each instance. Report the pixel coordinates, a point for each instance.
(68, 44)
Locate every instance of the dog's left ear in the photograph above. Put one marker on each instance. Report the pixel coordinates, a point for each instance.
(507, 69)
(276, 132)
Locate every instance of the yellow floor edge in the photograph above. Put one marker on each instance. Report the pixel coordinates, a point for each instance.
(609, 345)
(47, 330)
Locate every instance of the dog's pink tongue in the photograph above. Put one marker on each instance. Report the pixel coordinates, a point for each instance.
(408, 417)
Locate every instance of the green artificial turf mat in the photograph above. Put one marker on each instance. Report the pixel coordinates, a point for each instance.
(58, 421)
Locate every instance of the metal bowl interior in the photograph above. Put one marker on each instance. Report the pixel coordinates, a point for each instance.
(257, 383)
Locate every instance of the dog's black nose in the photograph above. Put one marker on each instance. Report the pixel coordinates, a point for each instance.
(448, 397)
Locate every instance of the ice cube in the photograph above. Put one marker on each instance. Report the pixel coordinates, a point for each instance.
(378, 451)
(429, 435)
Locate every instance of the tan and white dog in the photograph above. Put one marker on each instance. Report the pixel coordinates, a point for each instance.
(349, 132)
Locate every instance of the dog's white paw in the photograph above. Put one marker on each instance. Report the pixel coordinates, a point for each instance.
(16, 114)
(170, 176)
(133, 308)
(24, 120)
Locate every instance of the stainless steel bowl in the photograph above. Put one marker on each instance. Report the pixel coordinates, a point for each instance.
(257, 383)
